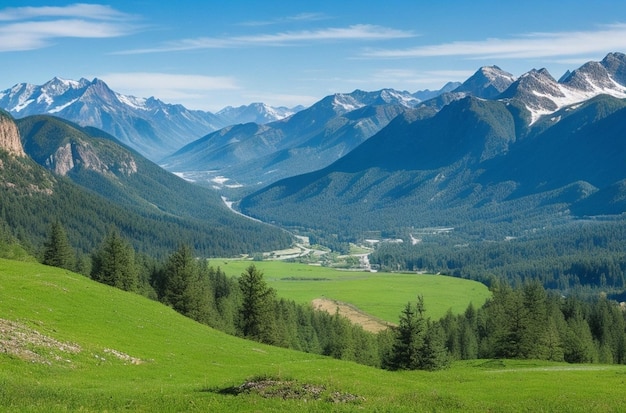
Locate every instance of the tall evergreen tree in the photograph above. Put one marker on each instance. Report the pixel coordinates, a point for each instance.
(469, 333)
(255, 314)
(114, 263)
(409, 338)
(434, 355)
(537, 329)
(185, 286)
(226, 299)
(341, 343)
(57, 250)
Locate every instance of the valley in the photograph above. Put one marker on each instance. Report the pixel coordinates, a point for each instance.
(378, 294)
(317, 258)
(484, 157)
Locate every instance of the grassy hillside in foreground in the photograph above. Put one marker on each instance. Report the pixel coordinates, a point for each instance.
(82, 346)
(383, 295)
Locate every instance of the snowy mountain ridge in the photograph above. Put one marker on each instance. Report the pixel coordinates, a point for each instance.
(256, 112)
(542, 95)
(157, 129)
(148, 125)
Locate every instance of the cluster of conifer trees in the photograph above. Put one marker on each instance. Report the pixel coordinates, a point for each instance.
(527, 322)
(585, 255)
(523, 322)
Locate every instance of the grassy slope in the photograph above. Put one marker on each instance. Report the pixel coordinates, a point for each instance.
(383, 295)
(183, 359)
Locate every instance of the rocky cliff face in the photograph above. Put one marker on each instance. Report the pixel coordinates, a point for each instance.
(79, 154)
(10, 137)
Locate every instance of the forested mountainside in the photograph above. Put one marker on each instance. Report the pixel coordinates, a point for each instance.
(89, 183)
(241, 159)
(477, 165)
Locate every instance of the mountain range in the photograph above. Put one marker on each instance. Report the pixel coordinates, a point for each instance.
(153, 128)
(255, 155)
(494, 156)
(252, 154)
(541, 151)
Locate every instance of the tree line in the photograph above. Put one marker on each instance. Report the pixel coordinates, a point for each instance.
(524, 322)
(585, 256)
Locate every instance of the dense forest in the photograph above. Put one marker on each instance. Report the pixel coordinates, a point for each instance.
(524, 321)
(31, 199)
(584, 255)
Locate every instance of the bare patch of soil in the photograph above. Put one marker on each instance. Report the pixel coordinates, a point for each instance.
(356, 316)
(19, 340)
(27, 344)
(123, 356)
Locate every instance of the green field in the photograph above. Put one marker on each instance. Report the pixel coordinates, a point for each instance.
(69, 344)
(382, 295)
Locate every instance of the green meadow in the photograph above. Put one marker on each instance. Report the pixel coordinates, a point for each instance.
(382, 295)
(70, 344)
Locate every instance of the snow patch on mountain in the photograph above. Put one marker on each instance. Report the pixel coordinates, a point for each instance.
(542, 95)
(570, 96)
(149, 126)
(132, 101)
(21, 105)
(260, 113)
(61, 107)
(345, 103)
(487, 82)
(404, 98)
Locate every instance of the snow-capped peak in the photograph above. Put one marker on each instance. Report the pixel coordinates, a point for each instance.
(257, 112)
(132, 101)
(487, 82)
(543, 95)
(344, 103)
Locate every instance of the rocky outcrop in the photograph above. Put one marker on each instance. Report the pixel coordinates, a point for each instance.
(10, 136)
(84, 155)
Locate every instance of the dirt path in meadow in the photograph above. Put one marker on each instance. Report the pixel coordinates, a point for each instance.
(368, 322)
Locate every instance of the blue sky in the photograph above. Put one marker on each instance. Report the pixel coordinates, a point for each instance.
(210, 54)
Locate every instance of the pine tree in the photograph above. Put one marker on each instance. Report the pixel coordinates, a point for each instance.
(114, 263)
(255, 314)
(341, 343)
(309, 341)
(226, 300)
(578, 346)
(409, 338)
(469, 333)
(57, 250)
(535, 340)
(185, 286)
(434, 355)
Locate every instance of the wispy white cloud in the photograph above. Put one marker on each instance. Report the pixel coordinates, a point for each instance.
(531, 45)
(421, 75)
(192, 91)
(298, 18)
(29, 28)
(359, 32)
(355, 32)
(87, 11)
(413, 79)
(173, 83)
